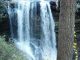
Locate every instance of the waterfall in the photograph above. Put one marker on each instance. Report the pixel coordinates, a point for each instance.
(32, 29)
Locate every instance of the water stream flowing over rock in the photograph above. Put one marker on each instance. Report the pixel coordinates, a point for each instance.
(32, 29)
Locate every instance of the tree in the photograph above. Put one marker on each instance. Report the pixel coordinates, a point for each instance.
(66, 29)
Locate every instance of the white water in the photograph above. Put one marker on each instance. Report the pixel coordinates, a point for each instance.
(34, 33)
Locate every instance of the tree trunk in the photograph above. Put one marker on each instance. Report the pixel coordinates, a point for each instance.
(66, 29)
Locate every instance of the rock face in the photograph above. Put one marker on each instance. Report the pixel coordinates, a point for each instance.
(4, 21)
(4, 26)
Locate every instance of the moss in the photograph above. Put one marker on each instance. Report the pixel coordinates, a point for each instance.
(9, 51)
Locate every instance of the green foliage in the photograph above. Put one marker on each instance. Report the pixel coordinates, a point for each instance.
(9, 52)
(75, 47)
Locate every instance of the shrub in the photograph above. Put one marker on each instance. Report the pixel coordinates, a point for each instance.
(9, 51)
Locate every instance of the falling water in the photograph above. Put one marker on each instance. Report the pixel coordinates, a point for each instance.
(32, 28)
